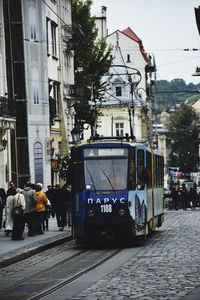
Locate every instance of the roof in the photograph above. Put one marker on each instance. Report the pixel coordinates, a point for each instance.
(131, 34)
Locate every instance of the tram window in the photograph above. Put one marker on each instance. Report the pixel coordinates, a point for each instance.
(161, 170)
(149, 169)
(106, 174)
(140, 170)
(132, 176)
(77, 170)
(157, 172)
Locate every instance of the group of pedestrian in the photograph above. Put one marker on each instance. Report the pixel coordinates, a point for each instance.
(183, 198)
(60, 198)
(32, 207)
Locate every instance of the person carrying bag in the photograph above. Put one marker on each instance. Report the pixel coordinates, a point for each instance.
(19, 205)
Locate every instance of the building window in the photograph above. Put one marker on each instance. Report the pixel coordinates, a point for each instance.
(119, 129)
(53, 37)
(35, 85)
(47, 34)
(128, 58)
(36, 96)
(38, 162)
(54, 89)
(56, 92)
(33, 23)
(118, 91)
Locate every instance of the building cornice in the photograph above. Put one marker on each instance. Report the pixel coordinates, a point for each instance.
(7, 123)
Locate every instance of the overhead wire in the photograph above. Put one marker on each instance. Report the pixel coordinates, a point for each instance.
(123, 49)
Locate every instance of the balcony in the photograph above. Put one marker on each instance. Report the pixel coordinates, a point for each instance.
(4, 109)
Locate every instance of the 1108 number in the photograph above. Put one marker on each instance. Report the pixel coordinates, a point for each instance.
(106, 208)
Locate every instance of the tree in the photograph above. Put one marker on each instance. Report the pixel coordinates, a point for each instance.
(175, 92)
(65, 167)
(183, 136)
(91, 61)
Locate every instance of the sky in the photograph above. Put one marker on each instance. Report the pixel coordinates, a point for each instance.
(166, 27)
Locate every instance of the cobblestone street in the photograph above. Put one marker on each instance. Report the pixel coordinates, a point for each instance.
(167, 268)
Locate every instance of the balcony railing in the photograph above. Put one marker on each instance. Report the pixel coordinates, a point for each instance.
(4, 108)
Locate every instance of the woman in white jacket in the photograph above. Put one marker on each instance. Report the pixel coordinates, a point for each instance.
(9, 214)
(19, 220)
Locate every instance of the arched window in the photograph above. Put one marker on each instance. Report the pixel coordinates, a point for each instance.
(38, 162)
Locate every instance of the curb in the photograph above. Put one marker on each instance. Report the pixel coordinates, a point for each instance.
(35, 249)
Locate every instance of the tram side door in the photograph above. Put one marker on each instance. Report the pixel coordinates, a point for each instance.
(77, 190)
(140, 196)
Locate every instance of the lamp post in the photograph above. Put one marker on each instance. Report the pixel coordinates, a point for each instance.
(75, 133)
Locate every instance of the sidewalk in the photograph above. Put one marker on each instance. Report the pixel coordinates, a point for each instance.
(13, 251)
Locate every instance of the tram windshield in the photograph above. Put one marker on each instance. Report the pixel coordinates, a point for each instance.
(104, 172)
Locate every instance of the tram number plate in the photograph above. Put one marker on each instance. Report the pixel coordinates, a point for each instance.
(106, 208)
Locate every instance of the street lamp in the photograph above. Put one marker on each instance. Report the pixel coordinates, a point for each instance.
(75, 135)
(4, 144)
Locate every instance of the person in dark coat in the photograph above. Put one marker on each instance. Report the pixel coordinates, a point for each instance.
(193, 198)
(2, 204)
(61, 195)
(184, 197)
(69, 206)
(175, 196)
(51, 192)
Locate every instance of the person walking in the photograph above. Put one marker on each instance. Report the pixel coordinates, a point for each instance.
(184, 197)
(30, 208)
(2, 204)
(51, 192)
(175, 196)
(61, 206)
(9, 212)
(46, 216)
(193, 198)
(19, 219)
(69, 205)
(40, 207)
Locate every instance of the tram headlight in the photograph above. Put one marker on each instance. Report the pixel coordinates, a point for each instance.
(122, 212)
(91, 212)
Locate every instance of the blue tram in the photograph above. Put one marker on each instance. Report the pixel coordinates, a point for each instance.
(117, 189)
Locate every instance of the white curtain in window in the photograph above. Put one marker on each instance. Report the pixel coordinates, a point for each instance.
(38, 162)
(35, 85)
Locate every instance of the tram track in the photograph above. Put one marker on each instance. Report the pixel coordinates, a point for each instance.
(75, 276)
(44, 282)
(69, 265)
(39, 273)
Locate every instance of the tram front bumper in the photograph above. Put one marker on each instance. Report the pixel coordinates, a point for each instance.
(114, 225)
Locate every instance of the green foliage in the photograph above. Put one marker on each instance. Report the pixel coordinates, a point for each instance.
(91, 60)
(183, 138)
(175, 92)
(64, 167)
